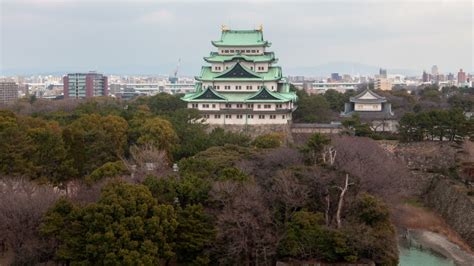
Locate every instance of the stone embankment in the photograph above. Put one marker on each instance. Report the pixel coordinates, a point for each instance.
(455, 206)
(431, 162)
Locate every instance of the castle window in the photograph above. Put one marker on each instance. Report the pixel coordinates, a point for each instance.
(272, 116)
(250, 116)
(261, 116)
(250, 105)
(206, 116)
(239, 105)
(228, 105)
(228, 116)
(239, 116)
(253, 51)
(283, 116)
(267, 106)
(217, 116)
(205, 106)
(213, 106)
(259, 106)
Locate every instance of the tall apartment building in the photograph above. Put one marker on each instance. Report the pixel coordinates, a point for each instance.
(434, 70)
(426, 77)
(8, 92)
(461, 77)
(85, 85)
(383, 84)
(242, 86)
(336, 77)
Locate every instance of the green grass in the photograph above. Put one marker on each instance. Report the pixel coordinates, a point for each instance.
(415, 202)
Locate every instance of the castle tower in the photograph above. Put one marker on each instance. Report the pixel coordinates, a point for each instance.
(241, 85)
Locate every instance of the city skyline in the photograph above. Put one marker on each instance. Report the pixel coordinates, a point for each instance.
(145, 37)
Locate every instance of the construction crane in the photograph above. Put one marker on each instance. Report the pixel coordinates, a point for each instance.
(174, 78)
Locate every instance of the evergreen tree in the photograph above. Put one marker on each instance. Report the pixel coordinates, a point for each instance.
(126, 226)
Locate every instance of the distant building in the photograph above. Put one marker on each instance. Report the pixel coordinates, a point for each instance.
(461, 77)
(425, 77)
(450, 77)
(383, 73)
(85, 85)
(382, 84)
(346, 78)
(296, 79)
(434, 70)
(8, 92)
(372, 108)
(336, 77)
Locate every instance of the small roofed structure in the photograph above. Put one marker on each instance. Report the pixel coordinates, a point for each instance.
(369, 106)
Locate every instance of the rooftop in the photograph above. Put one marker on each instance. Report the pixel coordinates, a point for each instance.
(367, 96)
(239, 72)
(241, 38)
(263, 95)
(215, 57)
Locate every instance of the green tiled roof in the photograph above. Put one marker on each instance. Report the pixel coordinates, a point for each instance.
(274, 73)
(216, 58)
(240, 97)
(241, 38)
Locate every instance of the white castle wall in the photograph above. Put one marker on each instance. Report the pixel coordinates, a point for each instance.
(220, 86)
(368, 107)
(243, 50)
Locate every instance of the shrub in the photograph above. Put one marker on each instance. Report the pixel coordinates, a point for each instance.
(110, 169)
(268, 141)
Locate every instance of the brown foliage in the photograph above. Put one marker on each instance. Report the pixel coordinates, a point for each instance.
(245, 230)
(379, 172)
(22, 205)
(44, 106)
(147, 160)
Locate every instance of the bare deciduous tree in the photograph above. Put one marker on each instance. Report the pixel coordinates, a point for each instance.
(245, 232)
(22, 205)
(146, 160)
(341, 199)
(329, 155)
(379, 172)
(289, 191)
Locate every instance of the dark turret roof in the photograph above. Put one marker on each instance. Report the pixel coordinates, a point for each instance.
(373, 97)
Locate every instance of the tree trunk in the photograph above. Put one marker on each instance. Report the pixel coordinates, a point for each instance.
(341, 200)
(328, 205)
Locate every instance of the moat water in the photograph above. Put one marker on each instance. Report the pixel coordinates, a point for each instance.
(415, 256)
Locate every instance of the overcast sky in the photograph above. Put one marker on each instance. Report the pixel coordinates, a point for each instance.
(150, 36)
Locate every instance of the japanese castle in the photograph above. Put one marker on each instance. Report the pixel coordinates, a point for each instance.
(242, 86)
(368, 105)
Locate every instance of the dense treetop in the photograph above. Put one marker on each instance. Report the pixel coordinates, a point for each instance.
(231, 200)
